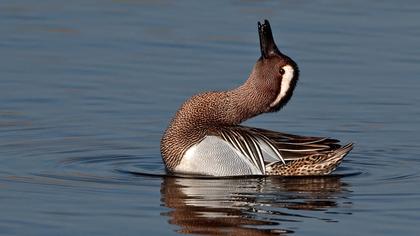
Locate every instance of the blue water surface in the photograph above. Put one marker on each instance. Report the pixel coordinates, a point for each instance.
(88, 87)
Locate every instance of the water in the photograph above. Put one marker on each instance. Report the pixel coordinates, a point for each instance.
(88, 87)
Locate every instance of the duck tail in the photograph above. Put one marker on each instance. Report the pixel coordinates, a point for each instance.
(315, 164)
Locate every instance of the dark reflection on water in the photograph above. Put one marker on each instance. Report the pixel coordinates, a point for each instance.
(249, 206)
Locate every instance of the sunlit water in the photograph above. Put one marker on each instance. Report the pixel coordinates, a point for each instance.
(88, 87)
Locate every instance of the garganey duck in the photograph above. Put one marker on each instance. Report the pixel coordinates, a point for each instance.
(205, 136)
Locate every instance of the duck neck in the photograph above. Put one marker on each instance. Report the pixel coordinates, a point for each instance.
(244, 103)
(207, 112)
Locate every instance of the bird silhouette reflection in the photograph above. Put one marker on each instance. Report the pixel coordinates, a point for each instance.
(250, 206)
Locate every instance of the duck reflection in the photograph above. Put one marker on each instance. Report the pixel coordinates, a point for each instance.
(258, 206)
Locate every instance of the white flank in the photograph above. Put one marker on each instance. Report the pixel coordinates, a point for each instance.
(216, 157)
(285, 84)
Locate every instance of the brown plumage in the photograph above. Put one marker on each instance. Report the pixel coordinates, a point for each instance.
(321, 163)
(268, 88)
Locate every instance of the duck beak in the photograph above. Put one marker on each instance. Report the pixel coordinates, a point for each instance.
(267, 45)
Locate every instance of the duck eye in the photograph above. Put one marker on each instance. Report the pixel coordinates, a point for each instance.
(281, 71)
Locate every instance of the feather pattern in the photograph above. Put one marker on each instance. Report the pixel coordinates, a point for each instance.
(246, 144)
(290, 151)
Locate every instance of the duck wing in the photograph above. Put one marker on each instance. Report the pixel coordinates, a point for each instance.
(275, 152)
(247, 143)
(260, 146)
(292, 147)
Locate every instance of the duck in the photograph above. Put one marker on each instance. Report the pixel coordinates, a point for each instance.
(206, 138)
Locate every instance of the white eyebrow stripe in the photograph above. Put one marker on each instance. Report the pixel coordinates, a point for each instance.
(285, 84)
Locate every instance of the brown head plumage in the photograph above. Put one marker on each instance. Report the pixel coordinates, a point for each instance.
(277, 73)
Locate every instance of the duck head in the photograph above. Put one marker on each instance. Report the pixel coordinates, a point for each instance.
(275, 74)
